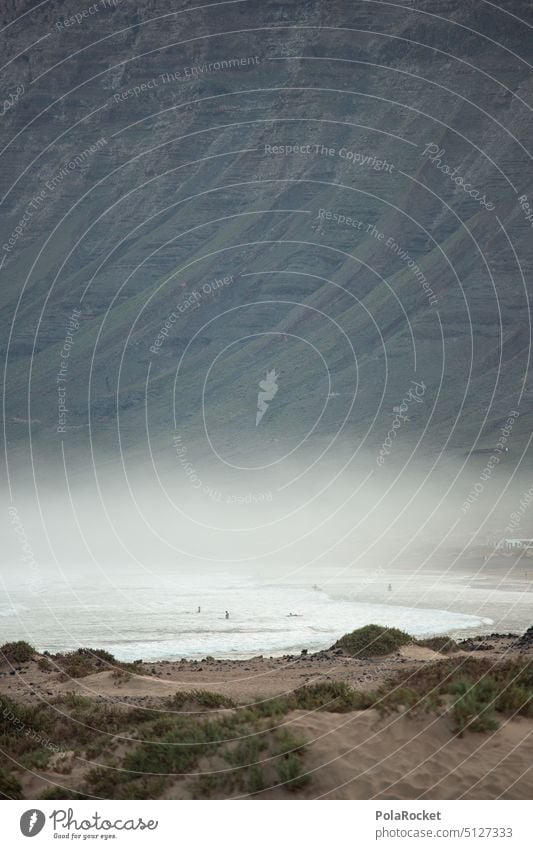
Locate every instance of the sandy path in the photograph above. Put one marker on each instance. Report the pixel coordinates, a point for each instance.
(245, 681)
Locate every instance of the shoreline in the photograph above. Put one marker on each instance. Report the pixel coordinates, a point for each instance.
(97, 674)
(481, 629)
(289, 652)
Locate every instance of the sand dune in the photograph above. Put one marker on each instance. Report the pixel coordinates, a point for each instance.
(351, 754)
(364, 756)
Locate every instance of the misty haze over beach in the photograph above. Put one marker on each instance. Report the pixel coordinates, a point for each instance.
(336, 557)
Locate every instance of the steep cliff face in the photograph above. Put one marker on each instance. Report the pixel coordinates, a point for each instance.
(331, 190)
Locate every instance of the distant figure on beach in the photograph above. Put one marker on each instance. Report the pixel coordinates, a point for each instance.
(198, 611)
(390, 588)
(227, 615)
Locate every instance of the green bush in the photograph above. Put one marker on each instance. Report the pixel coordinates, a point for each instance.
(36, 759)
(269, 708)
(75, 664)
(203, 698)
(255, 779)
(443, 645)
(113, 784)
(212, 786)
(482, 689)
(373, 641)
(87, 661)
(285, 742)
(515, 698)
(290, 772)
(120, 676)
(334, 696)
(246, 752)
(19, 652)
(10, 787)
(178, 750)
(55, 792)
(474, 707)
(16, 718)
(98, 654)
(72, 700)
(399, 697)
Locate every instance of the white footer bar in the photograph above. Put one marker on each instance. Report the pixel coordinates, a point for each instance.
(268, 824)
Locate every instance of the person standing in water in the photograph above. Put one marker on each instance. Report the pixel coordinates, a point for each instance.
(227, 615)
(198, 611)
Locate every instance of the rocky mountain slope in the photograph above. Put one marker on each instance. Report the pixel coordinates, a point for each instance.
(223, 190)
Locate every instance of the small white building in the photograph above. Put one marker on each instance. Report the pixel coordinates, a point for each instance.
(516, 545)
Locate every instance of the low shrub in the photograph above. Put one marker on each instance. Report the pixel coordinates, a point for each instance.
(178, 750)
(372, 641)
(113, 784)
(16, 718)
(10, 786)
(18, 652)
(269, 708)
(256, 781)
(75, 664)
(212, 786)
(443, 645)
(56, 792)
(482, 689)
(202, 698)
(87, 661)
(286, 742)
(516, 698)
(99, 654)
(291, 774)
(334, 696)
(473, 708)
(36, 759)
(246, 752)
(120, 676)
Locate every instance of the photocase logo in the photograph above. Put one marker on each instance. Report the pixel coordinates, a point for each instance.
(267, 391)
(32, 822)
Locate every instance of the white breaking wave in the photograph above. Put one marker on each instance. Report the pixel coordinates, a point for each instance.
(163, 623)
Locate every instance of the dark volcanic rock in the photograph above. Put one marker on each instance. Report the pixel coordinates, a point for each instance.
(475, 644)
(525, 642)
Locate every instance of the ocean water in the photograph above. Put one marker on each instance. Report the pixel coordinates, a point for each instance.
(134, 619)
